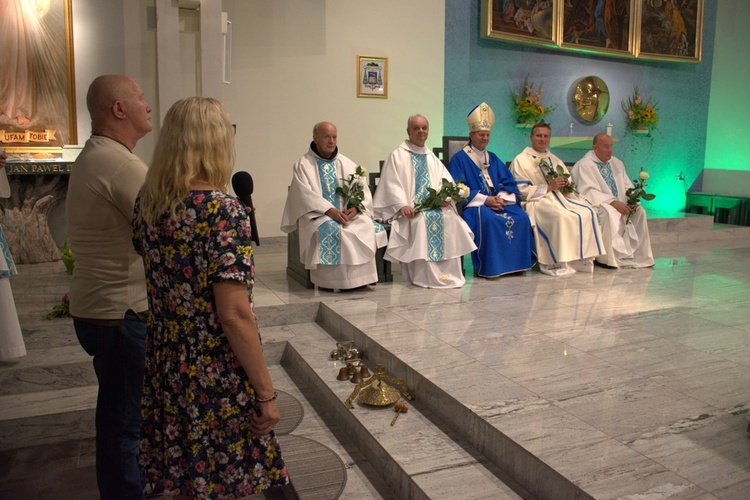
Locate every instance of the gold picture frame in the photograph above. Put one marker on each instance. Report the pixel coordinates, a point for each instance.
(670, 32)
(532, 22)
(622, 28)
(33, 119)
(372, 77)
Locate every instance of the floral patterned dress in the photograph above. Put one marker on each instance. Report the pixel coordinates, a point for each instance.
(195, 435)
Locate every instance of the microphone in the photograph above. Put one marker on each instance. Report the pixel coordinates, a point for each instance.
(242, 183)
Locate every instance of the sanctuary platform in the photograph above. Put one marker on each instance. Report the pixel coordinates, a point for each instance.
(621, 384)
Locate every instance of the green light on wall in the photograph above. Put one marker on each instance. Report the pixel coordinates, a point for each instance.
(665, 183)
(670, 195)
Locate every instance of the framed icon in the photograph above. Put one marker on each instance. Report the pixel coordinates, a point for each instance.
(37, 102)
(671, 31)
(372, 77)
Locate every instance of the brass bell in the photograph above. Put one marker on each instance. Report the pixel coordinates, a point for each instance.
(343, 373)
(352, 364)
(357, 377)
(365, 372)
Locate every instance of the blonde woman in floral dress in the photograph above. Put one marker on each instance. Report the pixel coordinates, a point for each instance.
(208, 401)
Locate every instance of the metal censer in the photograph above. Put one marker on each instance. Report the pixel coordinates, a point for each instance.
(345, 351)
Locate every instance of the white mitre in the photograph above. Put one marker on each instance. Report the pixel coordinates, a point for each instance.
(481, 118)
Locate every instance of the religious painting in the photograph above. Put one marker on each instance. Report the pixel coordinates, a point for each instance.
(372, 77)
(605, 26)
(671, 30)
(531, 21)
(37, 90)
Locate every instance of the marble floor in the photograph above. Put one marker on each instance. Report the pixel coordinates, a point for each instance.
(629, 383)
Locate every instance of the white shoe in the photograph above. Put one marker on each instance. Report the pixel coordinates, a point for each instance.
(583, 265)
(561, 269)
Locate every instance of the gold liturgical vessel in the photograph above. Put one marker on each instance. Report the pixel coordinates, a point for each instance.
(376, 392)
(354, 370)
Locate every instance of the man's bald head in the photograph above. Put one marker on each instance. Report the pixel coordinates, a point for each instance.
(117, 109)
(105, 90)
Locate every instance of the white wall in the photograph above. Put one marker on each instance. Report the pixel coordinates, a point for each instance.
(98, 49)
(295, 64)
(113, 37)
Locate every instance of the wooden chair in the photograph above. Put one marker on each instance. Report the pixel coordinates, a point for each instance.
(451, 145)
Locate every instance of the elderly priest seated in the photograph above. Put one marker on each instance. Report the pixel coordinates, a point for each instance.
(332, 206)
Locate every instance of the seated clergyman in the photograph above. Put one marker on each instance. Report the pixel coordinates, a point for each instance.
(337, 239)
(502, 230)
(602, 179)
(566, 229)
(429, 244)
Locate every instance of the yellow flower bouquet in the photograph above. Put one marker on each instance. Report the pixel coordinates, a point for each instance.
(639, 116)
(527, 104)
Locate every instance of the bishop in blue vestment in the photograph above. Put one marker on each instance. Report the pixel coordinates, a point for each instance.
(502, 230)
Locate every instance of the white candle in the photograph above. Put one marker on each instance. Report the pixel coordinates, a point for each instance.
(609, 129)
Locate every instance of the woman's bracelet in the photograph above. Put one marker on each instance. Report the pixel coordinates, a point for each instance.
(269, 399)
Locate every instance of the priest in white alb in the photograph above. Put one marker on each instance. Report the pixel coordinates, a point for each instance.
(338, 237)
(429, 244)
(602, 179)
(566, 228)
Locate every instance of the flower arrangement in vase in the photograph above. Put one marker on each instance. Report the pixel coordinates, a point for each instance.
(527, 104)
(640, 117)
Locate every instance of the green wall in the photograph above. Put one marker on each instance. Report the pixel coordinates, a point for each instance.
(728, 137)
(479, 70)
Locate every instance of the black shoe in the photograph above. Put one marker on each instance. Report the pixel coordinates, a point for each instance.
(605, 266)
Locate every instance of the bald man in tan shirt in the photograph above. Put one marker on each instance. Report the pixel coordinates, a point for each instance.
(108, 290)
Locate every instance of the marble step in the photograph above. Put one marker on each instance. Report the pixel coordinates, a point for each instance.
(47, 378)
(419, 457)
(458, 395)
(47, 427)
(49, 395)
(667, 228)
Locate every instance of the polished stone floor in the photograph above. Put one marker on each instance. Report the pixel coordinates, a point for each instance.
(629, 383)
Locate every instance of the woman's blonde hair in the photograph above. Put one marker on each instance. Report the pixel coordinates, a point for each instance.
(196, 142)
